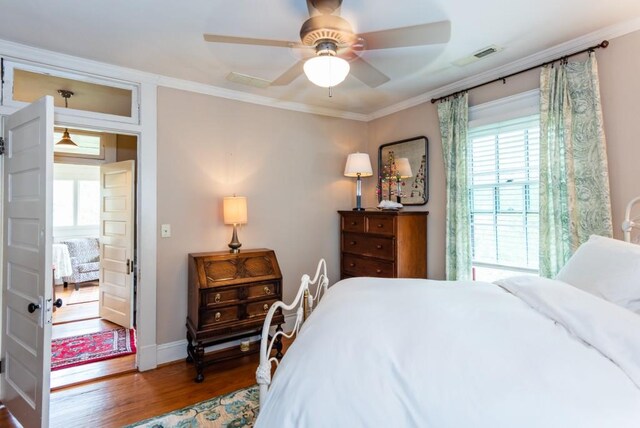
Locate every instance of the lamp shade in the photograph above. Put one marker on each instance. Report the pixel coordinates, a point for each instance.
(403, 167)
(326, 70)
(358, 163)
(235, 209)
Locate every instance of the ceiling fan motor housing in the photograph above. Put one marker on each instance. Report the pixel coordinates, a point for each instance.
(327, 28)
(326, 6)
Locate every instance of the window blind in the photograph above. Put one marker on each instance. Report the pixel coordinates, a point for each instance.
(503, 194)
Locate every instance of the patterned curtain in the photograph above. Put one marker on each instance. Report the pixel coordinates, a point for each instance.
(574, 179)
(454, 118)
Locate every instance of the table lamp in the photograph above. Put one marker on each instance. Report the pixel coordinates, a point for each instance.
(403, 170)
(358, 165)
(235, 213)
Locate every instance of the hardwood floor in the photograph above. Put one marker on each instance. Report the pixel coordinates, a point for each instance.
(71, 310)
(132, 397)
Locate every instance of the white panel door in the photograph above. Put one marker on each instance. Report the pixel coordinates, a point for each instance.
(27, 282)
(117, 213)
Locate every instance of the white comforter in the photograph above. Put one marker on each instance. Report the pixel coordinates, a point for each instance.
(417, 353)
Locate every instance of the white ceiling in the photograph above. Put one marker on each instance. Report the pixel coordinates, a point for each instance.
(165, 37)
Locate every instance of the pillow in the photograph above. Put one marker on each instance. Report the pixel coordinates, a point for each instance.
(607, 268)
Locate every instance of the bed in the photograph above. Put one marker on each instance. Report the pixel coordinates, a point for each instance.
(525, 351)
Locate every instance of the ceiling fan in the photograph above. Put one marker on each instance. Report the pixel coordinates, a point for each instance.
(332, 48)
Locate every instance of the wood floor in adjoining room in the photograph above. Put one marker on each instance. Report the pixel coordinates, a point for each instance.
(75, 375)
(132, 397)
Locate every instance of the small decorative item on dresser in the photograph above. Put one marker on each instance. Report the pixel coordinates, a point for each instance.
(358, 165)
(229, 297)
(235, 213)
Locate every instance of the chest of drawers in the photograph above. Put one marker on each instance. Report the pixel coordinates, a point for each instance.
(229, 297)
(387, 244)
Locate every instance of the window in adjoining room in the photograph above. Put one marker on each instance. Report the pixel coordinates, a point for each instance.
(503, 197)
(76, 200)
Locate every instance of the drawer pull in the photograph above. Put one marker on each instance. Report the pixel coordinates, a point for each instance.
(352, 264)
(265, 307)
(217, 298)
(218, 316)
(267, 290)
(352, 243)
(379, 247)
(353, 223)
(378, 270)
(380, 225)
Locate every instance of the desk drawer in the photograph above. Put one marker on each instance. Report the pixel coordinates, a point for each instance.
(365, 245)
(259, 309)
(362, 266)
(213, 297)
(382, 224)
(262, 290)
(213, 317)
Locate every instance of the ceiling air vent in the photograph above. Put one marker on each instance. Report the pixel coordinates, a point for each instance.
(476, 56)
(244, 79)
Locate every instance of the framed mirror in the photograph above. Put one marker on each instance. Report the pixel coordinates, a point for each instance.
(403, 171)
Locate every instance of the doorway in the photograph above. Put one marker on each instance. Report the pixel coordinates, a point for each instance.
(83, 258)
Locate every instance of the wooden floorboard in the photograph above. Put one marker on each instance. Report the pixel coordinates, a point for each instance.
(78, 311)
(132, 397)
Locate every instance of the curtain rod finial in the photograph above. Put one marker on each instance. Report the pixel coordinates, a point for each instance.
(604, 43)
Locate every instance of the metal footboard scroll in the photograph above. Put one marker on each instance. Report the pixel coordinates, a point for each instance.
(304, 303)
(630, 222)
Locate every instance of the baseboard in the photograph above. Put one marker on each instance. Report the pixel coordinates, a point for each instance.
(147, 357)
(175, 351)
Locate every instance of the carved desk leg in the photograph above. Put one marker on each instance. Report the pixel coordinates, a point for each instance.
(278, 343)
(199, 357)
(190, 348)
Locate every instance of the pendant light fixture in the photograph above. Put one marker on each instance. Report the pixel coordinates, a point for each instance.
(66, 139)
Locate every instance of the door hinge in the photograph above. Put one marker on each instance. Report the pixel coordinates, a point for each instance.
(1, 146)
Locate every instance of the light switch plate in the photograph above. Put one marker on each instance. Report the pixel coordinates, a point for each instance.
(165, 230)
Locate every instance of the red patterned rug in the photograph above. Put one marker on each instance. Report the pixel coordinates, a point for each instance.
(89, 348)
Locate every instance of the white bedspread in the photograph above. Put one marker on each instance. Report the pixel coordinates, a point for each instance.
(420, 353)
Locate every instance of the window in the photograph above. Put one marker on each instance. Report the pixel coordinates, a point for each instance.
(503, 197)
(76, 199)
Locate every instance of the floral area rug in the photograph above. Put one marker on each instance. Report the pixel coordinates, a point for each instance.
(89, 348)
(234, 410)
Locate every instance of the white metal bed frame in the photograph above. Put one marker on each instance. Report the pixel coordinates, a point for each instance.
(630, 223)
(304, 301)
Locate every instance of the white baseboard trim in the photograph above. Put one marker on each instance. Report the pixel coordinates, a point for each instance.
(175, 351)
(147, 357)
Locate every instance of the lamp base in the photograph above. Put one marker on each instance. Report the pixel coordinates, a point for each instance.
(235, 244)
(358, 209)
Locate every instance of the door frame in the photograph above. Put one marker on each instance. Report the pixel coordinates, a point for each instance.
(146, 212)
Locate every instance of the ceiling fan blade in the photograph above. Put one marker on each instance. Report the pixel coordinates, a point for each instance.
(250, 41)
(289, 75)
(416, 35)
(367, 73)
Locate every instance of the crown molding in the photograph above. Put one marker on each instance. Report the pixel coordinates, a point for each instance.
(202, 88)
(50, 59)
(576, 44)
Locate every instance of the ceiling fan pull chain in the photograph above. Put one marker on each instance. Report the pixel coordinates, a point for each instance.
(330, 91)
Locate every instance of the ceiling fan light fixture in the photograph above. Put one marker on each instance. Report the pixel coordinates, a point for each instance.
(326, 71)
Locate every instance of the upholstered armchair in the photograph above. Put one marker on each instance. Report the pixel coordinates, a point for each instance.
(85, 260)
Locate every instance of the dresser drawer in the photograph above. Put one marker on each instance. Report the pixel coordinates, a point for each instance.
(259, 309)
(213, 297)
(261, 290)
(382, 224)
(353, 223)
(366, 245)
(362, 266)
(212, 317)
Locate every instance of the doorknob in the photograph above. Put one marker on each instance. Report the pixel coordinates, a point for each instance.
(58, 303)
(32, 307)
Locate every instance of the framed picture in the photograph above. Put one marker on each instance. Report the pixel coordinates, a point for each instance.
(403, 171)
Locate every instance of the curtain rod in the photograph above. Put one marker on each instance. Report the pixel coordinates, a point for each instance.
(603, 44)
